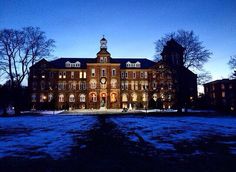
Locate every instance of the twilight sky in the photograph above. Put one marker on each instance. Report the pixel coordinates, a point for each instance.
(130, 26)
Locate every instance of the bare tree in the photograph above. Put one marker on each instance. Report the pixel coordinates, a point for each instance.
(232, 64)
(204, 77)
(195, 54)
(19, 49)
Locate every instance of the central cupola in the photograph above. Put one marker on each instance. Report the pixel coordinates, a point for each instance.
(103, 56)
(103, 43)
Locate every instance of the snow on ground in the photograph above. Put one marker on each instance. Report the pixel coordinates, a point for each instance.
(41, 136)
(164, 132)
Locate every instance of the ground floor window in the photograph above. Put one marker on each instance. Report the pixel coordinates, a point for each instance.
(61, 98)
(72, 98)
(82, 98)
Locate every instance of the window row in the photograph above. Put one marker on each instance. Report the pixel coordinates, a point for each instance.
(61, 98)
(126, 75)
(103, 72)
(134, 97)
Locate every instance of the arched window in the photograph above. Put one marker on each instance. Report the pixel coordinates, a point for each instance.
(134, 97)
(82, 98)
(93, 97)
(61, 98)
(113, 83)
(144, 97)
(50, 97)
(93, 84)
(113, 97)
(72, 98)
(33, 98)
(124, 98)
(42, 98)
(154, 96)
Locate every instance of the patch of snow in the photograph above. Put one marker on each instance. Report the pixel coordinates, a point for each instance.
(164, 132)
(46, 135)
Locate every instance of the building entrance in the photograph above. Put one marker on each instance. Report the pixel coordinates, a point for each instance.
(103, 101)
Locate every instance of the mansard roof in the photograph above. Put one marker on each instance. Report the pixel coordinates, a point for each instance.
(145, 63)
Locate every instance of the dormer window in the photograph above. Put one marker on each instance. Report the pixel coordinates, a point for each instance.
(103, 59)
(72, 65)
(133, 65)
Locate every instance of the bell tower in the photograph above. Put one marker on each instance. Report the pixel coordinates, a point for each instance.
(103, 56)
(172, 53)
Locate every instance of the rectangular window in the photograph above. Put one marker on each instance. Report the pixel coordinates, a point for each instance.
(93, 72)
(126, 74)
(64, 75)
(122, 75)
(126, 85)
(223, 94)
(134, 75)
(60, 75)
(145, 75)
(136, 85)
(113, 72)
(141, 75)
(50, 74)
(222, 86)
(103, 72)
(122, 85)
(72, 74)
(80, 75)
(84, 75)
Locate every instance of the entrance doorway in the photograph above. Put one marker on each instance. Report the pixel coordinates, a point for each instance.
(103, 101)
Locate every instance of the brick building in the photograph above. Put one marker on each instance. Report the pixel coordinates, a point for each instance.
(103, 82)
(221, 94)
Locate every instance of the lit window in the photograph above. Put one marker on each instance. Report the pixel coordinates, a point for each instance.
(144, 97)
(80, 75)
(136, 85)
(124, 98)
(93, 72)
(84, 75)
(141, 74)
(93, 84)
(113, 83)
(94, 97)
(134, 75)
(60, 75)
(223, 94)
(134, 97)
(42, 98)
(113, 72)
(132, 85)
(72, 75)
(113, 97)
(64, 75)
(50, 97)
(61, 98)
(72, 98)
(145, 75)
(126, 85)
(82, 98)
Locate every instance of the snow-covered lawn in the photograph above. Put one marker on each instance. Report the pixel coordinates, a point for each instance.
(41, 136)
(165, 132)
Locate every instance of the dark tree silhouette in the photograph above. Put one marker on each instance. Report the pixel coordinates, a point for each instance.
(19, 49)
(232, 64)
(204, 77)
(195, 54)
